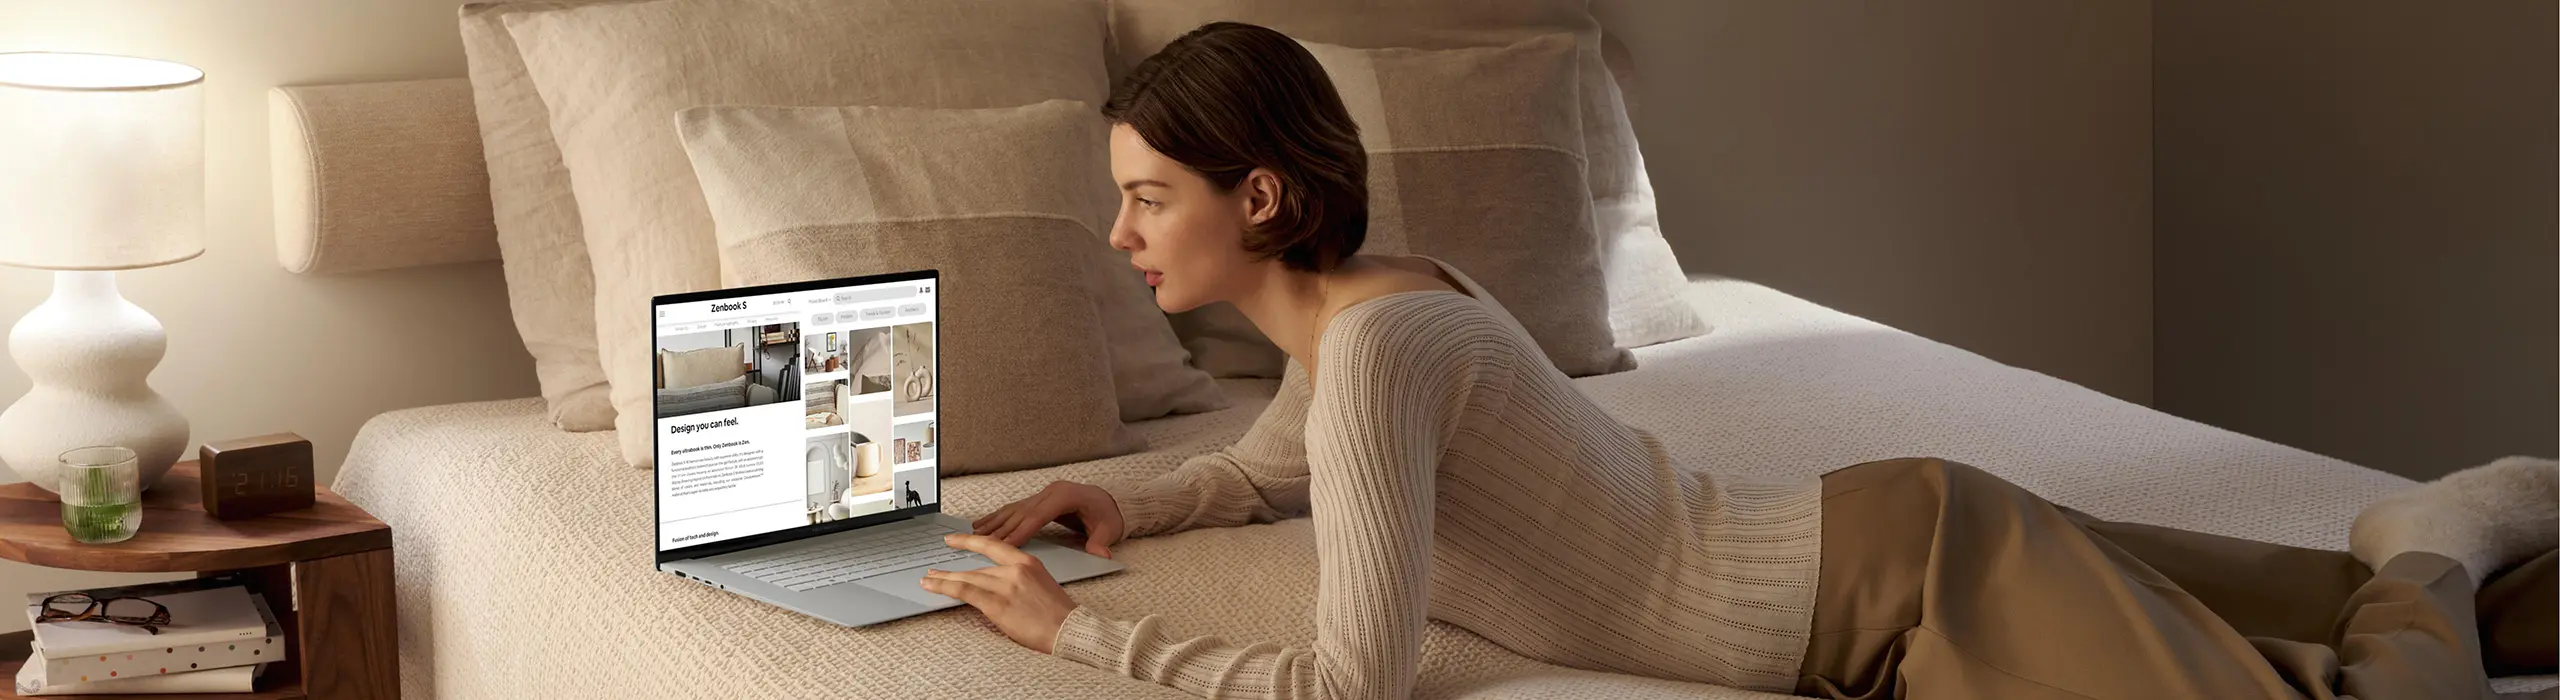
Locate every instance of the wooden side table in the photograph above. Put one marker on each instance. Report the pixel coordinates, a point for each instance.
(325, 570)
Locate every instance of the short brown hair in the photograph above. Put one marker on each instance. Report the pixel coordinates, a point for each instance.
(1229, 97)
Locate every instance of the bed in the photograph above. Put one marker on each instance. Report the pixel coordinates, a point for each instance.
(523, 548)
(523, 551)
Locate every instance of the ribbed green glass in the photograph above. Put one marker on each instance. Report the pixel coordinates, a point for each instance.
(101, 494)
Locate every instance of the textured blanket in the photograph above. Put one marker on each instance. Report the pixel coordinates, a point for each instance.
(523, 552)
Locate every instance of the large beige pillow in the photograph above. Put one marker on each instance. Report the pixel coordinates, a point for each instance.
(1498, 193)
(550, 289)
(993, 198)
(1644, 281)
(614, 75)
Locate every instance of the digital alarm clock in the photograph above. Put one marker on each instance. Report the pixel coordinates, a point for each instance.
(254, 476)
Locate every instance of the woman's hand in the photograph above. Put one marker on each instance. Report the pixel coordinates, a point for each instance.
(1017, 593)
(1083, 507)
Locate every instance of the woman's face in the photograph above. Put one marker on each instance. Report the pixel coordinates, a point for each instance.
(1177, 227)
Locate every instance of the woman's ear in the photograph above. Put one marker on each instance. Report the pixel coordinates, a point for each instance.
(1262, 196)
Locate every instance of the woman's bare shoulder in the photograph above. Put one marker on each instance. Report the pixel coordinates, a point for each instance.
(1371, 277)
(1381, 275)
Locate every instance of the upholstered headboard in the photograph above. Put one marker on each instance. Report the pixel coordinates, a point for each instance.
(375, 176)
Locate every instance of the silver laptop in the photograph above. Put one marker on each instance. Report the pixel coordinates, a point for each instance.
(798, 437)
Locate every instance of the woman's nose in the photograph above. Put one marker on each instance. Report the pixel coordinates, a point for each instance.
(1123, 238)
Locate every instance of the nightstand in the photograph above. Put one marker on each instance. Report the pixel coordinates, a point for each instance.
(325, 570)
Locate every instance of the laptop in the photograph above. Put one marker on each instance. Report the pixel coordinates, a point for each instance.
(798, 436)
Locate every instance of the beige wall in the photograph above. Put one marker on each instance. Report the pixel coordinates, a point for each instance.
(253, 349)
(1974, 171)
(2357, 225)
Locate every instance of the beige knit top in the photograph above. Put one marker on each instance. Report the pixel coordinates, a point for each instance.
(1455, 475)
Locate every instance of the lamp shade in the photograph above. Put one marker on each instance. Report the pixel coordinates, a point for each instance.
(101, 161)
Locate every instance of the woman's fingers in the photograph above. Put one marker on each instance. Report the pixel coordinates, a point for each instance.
(990, 520)
(990, 578)
(1029, 520)
(976, 597)
(996, 550)
(1003, 519)
(1012, 520)
(1017, 522)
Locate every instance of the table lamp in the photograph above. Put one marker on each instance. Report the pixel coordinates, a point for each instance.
(101, 169)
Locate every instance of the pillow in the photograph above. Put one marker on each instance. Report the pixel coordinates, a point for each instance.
(1226, 344)
(613, 75)
(993, 198)
(704, 398)
(1498, 193)
(549, 287)
(1644, 281)
(678, 369)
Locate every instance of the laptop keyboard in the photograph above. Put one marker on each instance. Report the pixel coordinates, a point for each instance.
(850, 559)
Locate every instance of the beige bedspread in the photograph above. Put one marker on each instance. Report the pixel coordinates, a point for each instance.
(524, 552)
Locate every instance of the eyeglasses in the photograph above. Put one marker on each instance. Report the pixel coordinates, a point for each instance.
(122, 610)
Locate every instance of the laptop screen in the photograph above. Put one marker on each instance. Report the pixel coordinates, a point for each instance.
(792, 410)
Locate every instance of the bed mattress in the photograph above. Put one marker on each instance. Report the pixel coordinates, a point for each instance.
(523, 552)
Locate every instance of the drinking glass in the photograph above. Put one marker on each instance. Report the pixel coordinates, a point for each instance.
(101, 494)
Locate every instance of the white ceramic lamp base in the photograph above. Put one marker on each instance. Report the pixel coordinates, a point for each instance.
(89, 354)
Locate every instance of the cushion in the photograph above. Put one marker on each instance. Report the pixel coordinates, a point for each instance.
(613, 76)
(549, 287)
(1642, 277)
(338, 211)
(704, 398)
(678, 369)
(993, 198)
(1226, 344)
(1498, 193)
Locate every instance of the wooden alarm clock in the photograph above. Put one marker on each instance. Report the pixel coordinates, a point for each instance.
(254, 476)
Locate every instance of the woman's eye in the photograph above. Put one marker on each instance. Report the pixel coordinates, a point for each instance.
(1149, 203)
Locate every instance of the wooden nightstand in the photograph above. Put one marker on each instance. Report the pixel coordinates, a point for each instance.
(325, 570)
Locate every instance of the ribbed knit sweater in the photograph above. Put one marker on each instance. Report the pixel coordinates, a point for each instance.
(1454, 474)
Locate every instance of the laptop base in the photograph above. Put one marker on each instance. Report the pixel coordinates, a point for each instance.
(889, 596)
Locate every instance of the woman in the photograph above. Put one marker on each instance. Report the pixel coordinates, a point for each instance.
(1454, 474)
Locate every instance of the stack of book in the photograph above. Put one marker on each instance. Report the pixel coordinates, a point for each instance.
(219, 636)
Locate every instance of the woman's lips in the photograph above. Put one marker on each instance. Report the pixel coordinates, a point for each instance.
(1154, 278)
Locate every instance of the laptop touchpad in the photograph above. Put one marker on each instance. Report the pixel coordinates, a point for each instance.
(909, 584)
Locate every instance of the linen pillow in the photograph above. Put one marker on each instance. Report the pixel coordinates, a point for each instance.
(612, 75)
(550, 289)
(1644, 281)
(704, 398)
(1498, 193)
(678, 369)
(993, 198)
(1226, 344)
